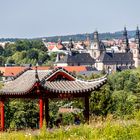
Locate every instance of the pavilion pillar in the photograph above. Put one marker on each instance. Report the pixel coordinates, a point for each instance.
(47, 110)
(41, 112)
(2, 114)
(86, 112)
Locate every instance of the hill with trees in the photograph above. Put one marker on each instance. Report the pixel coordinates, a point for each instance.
(25, 52)
(78, 37)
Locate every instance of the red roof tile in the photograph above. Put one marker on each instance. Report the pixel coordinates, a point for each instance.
(75, 68)
(13, 71)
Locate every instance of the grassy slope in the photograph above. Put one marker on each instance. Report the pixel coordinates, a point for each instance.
(108, 130)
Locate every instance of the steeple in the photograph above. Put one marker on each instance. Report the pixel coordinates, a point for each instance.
(59, 41)
(136, 49)
(137, 38)
(95, 36)
(125, 41)
(70, 45)
(97, 47)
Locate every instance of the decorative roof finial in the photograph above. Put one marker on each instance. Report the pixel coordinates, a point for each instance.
(36, 74)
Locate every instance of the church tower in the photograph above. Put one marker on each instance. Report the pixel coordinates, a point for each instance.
(136, 50)
(96, 47)
(125, 47)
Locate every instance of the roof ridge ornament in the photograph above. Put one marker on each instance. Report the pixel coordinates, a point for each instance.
(36, 75)
(93, 80)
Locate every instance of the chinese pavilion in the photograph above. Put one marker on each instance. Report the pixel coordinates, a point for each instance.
(46, 85)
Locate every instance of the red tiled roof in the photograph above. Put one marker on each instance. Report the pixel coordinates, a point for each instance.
(50, 47)
(59, 46)
(13, 71)
(66, 110)
(75, 68)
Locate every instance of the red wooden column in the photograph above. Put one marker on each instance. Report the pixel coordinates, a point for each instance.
(86, 113)
(41, 112)
(2, 114)
(47, 110)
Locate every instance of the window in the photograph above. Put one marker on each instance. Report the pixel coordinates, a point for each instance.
(94, 54)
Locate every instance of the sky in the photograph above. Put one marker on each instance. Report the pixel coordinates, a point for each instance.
(43, 18)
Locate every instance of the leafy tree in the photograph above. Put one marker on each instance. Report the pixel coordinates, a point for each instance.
(124, 102)
(1, 50)
(10, 60)
(101, 101)
(2, 61)
(22, 113)
(9, 50)
(32, 54)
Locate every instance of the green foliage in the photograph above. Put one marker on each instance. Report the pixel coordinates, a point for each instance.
(101, 101)
(25, 52)
(21, 114)
(124, 102)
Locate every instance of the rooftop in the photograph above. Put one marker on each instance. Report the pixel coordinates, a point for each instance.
(57, 81)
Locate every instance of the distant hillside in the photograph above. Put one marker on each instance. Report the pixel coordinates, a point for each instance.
(78, 37)
(116, 35)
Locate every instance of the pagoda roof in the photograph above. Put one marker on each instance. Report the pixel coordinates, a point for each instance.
(24, 83)
(73, 86)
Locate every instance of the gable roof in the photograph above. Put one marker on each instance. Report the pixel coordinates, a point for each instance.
(116, 58)
(77, 58)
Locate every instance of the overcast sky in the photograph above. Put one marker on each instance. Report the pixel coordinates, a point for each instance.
(39, 18)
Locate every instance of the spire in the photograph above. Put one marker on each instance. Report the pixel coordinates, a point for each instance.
(59, 41)
(125, 32)
(95, 36)
(70, 44)
(137, 38)
(125, 40)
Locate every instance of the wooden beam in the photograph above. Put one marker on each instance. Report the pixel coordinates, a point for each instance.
(86, 112)
(47, 110)
(41, 112)
(2, 114)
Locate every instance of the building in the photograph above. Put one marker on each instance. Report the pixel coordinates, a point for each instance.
(74, 59)
(124, 57)
(96, 47)
(136, 49)
(47, 85)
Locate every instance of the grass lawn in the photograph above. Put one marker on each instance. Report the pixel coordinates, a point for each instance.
(96, 130)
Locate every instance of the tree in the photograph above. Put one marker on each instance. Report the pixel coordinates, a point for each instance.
(32, 54)
(2, 61)
(10, 60)
(101, 101)
(124, 103)
(1, 50)
(22, 113)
